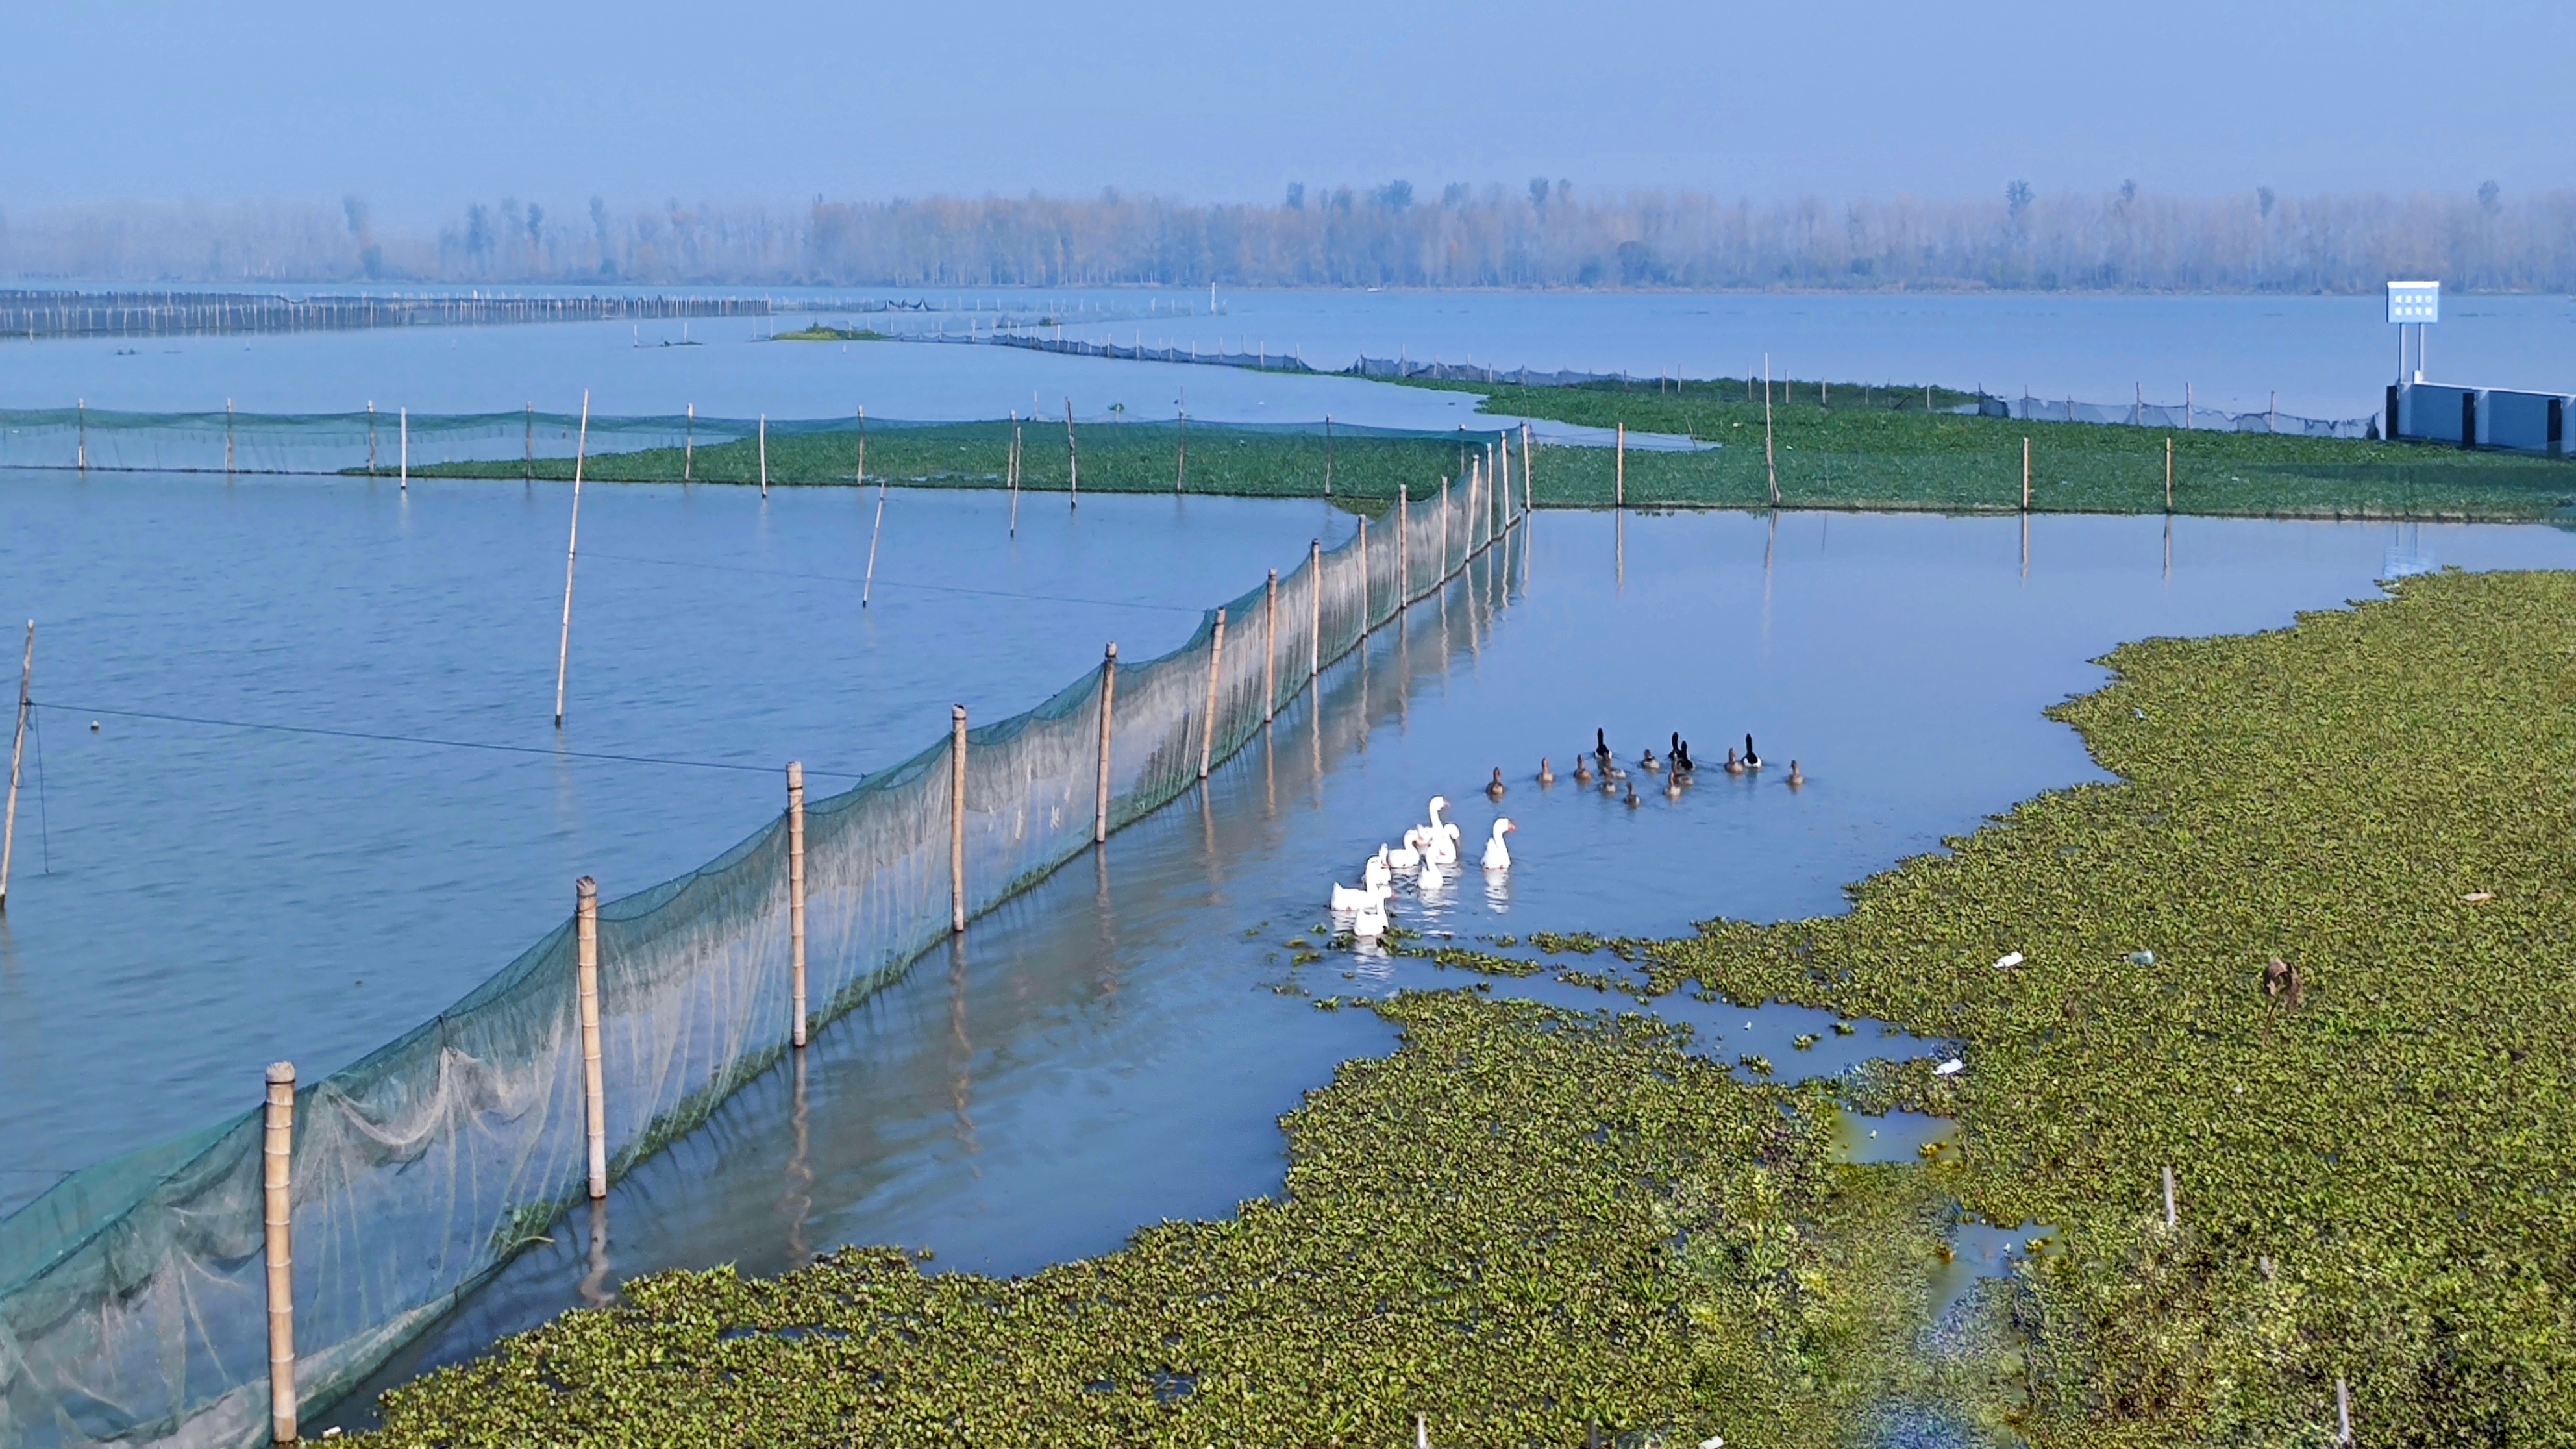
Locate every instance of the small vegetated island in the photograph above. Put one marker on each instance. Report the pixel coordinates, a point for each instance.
(2311, 951)
(1828, 445)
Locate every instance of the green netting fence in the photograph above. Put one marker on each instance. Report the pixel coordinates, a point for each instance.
(133, 1302)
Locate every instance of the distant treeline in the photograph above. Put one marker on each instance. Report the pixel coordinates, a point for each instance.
(1546, 235)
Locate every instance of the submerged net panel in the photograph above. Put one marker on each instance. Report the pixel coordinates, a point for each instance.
(133, 1295)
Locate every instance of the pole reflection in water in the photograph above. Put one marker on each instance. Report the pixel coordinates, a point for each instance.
(594, 1287)
(798, 1204)
(961, 1053)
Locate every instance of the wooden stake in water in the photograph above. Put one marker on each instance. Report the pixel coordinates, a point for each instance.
(868, 585)
(1181, 464)
(1207, 722)
(689, 445)
(403, 416)
(371, 437)
(1269, 653)
(82, 457)
(2343, 1411)
(2172, 1217)
(2168, 474)
(957, 819)
(764, 455)
(1315, 597)
(1072, 461)
(594, 1082)
(1108, 709)
(228, 437)
(2025, 475)
(1015, 473)
(1770, 458)
(277, 1221)
(796, 899)
(1368, 599)
(1404, 545)
(17, 753)
(572, 549)
(1619, 493)
(1529, 491)
(1328, 455)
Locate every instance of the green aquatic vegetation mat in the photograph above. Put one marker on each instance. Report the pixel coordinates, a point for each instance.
(2377, 1182)
(1883, 450)
(1521, 1225)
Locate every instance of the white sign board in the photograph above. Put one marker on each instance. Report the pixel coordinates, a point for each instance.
(2414, 302)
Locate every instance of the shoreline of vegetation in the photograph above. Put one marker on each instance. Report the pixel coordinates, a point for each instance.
(1877, 449)
(1524, 1224)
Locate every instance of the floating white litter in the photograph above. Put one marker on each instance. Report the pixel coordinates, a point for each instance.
(2474, 897)
(1713, 1441)
(2007, 960)
(1950, 1068)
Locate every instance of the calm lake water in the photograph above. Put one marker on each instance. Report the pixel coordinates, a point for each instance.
(192, 900)
(2324, 356)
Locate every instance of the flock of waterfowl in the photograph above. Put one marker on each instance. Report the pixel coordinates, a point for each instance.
(1677, 768)
(1431, 849)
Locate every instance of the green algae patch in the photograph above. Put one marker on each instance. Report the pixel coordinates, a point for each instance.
(1520, 1225)
(2374, 1167)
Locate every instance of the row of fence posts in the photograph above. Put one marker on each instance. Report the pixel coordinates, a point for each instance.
(1488, 488)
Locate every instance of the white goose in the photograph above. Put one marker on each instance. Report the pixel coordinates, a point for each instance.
(1369, 921)
(1496, 856)
(1379, 873)
(1347, 899)
(1442, 846)
(1409, 854)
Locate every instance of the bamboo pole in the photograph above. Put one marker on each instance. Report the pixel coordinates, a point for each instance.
(868, 585)
(17, 753)
(2168, 473)
(957, 819)
(1444, 533)
(572, 547)
(1315, 596)
(528, 470)
(594, 1084)
(1328, 455)
(228, 437)
(764, 455)
(1619, 495)
(2343, 1410)
(1770, 458)
(1207, 725)
(1181, 465)
(1072, 461)
(1529, 491)
(1368, 601)
(82, 457)
(2172, 1216)
(861, 477)
(796, 898)
(2025, 475)
(404, 417)
(689, 445)
(277, 1215)
(1108, 710)
(1403, 546)
(1015, 472)
(1269, 650)
(371, 437)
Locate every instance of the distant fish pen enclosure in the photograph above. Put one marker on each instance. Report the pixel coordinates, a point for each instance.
(204, 1290)
(169, 314)
(1836, 446)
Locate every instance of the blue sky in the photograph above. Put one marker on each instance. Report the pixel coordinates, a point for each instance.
(421, 108)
